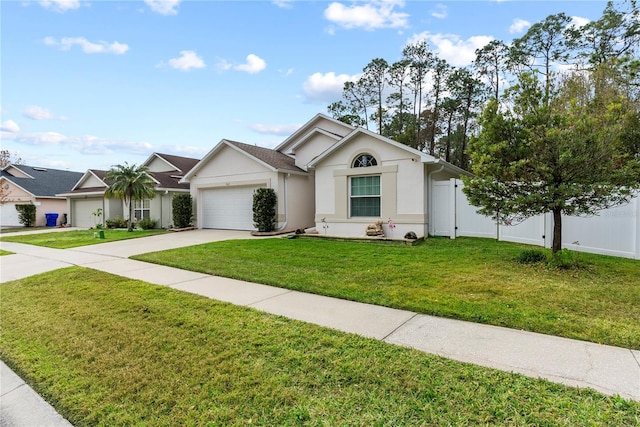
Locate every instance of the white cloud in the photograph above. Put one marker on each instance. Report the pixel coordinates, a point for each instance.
(283, 4)
(35, 112)
(254, 64)
(579, 21)
(452, 48)
(9, 126)
(325, 87)
(60, 5)
(188, 60)
(519, 26)
(66, 43)
(281, 130)
(164, 7)
(86, 144)
(370, 15)
(440, 11)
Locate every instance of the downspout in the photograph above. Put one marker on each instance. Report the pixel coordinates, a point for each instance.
(430, 185)
(286, 207)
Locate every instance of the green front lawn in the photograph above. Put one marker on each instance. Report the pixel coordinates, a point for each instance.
(470, 279)
(75, 238)
(107, 350)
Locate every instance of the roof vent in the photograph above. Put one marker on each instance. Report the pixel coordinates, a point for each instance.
(39, 169)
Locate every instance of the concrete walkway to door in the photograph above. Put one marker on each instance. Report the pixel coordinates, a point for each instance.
(610, 370)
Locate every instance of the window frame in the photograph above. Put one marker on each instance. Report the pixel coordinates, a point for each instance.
(142, 209)
(353, 197)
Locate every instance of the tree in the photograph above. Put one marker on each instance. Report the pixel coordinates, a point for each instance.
(574, 154)
(491, 62)
(440, 70)
(396, 79)
(130, 183)
(6, 158)
(374, 79)
(420, 59)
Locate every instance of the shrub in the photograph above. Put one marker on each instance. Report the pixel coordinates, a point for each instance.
(116, 222)
(531, 256)
(264, 209)
(182, 206)
(26, 214)
(147, 223)
(564, 259)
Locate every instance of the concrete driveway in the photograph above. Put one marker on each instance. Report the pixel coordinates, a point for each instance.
(29, 260)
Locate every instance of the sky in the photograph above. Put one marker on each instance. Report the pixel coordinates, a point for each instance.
(91, 84)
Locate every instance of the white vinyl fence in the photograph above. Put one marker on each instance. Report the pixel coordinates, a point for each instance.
(614, 231)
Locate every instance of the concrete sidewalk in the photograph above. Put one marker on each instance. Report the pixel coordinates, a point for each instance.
(610, 370)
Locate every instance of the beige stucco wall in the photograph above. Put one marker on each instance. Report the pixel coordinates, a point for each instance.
(17, 196)
(321, 123)
(296, 202)
(311, 148)
(403, 189)
(58, 206)
(90, 182)
(159, 165)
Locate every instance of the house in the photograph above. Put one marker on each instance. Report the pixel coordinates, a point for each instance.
(22, 184)
(86, 197)
(328, 175)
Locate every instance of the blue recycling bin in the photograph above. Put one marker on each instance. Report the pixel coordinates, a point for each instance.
(52, 219)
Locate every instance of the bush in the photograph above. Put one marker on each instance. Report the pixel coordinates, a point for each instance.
(116, 222)
(531, 256)
(564, 259)
(147, 223)
(264, 209)
(26, 214)
(182, 206)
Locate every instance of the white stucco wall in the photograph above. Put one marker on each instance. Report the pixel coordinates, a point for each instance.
(159, 165)
(90, 182)
(311, 148)
(403, 189)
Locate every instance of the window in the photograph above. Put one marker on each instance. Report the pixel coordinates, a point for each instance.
(141, 209)
(364, 160)
(365, 196)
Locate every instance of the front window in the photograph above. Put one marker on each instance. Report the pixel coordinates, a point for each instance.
(365, 196)
(141, 209)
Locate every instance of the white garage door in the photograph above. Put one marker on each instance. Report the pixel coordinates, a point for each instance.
(9, 215)
(229, 208)
(81, 212)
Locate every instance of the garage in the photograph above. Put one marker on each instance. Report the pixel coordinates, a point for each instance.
(82, 212)
(9, 215)
(229, 208)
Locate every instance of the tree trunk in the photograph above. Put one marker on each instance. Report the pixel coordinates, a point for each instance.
(557, 230)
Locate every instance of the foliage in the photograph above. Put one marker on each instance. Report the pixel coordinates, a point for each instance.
(531, 256)
(129, 183)
(564, 259)
(570, 154)
(264, 209)
(103, 359)
(116, 222)
(467, 278)
(146, 223)
(26, 214)
(74, 238)
(182, 205)
(97, 215)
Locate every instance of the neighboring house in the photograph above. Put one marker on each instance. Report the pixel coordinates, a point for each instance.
(328, 175)
(87, 196)
(22, 184)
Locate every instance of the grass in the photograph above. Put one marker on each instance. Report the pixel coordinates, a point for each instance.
(471, 279)
(107, 350)
(75, 238)
(3, 252)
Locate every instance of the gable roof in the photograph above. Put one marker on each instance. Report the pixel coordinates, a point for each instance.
(272, 159)
(175, 163)
(43, 182)
(310, 125)
(423, 157)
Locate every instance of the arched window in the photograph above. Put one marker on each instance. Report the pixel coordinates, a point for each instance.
(364, 160)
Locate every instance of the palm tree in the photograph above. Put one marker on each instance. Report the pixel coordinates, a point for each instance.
(129, 183)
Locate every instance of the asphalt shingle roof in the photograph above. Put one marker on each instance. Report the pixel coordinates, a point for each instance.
(184, 164)
(273, 158)
(46, 182)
